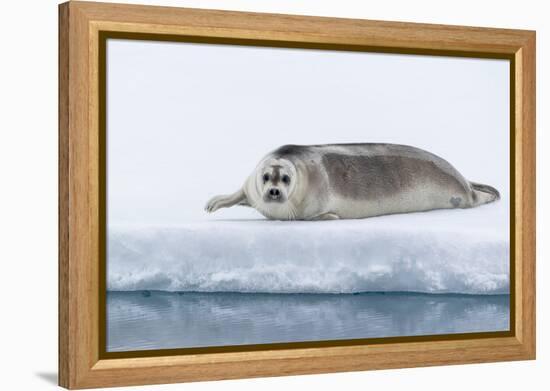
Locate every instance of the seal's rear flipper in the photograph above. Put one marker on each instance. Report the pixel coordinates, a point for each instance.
(483, 194)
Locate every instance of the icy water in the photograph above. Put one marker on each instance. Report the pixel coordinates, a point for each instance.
(144, 320)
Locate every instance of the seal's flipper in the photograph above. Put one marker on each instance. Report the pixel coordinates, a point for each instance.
(483, 194)
(327, 216)
(244, 203)
(225, 201)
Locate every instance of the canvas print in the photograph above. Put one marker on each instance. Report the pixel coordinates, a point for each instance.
(262, 195)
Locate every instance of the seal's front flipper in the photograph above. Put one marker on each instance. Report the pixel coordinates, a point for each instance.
(327, 216)
(244, 202)
(225, 201)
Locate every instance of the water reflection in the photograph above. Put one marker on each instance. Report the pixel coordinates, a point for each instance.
(164, 320)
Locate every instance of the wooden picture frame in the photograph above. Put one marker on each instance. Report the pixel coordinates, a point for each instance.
(82, 29)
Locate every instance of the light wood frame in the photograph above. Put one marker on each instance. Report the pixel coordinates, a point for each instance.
(81, 364)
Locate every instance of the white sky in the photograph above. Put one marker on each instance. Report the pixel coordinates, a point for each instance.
(186, 122)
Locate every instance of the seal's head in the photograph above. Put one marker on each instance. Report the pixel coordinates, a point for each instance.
(276, 180)
(271, 190)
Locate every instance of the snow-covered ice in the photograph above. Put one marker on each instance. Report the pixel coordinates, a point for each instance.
(449, 251)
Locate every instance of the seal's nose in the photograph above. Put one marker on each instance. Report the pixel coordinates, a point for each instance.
(274, 192)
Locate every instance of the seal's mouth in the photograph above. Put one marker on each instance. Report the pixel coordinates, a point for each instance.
(279, 200)
(274, 195)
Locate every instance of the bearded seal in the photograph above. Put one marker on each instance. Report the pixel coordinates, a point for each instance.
(353, 181)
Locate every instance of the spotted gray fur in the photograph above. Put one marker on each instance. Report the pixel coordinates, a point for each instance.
(455, 201)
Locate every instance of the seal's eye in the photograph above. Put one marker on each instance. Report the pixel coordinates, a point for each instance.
(266, 177)
(286, 179)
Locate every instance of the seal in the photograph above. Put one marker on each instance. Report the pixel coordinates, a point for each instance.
(353, 181)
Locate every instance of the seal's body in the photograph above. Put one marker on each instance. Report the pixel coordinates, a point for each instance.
(353, 181)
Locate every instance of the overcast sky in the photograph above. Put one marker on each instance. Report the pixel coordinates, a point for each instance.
(186, 122)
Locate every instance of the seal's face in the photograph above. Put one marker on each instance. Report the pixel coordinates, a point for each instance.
(276, 181)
